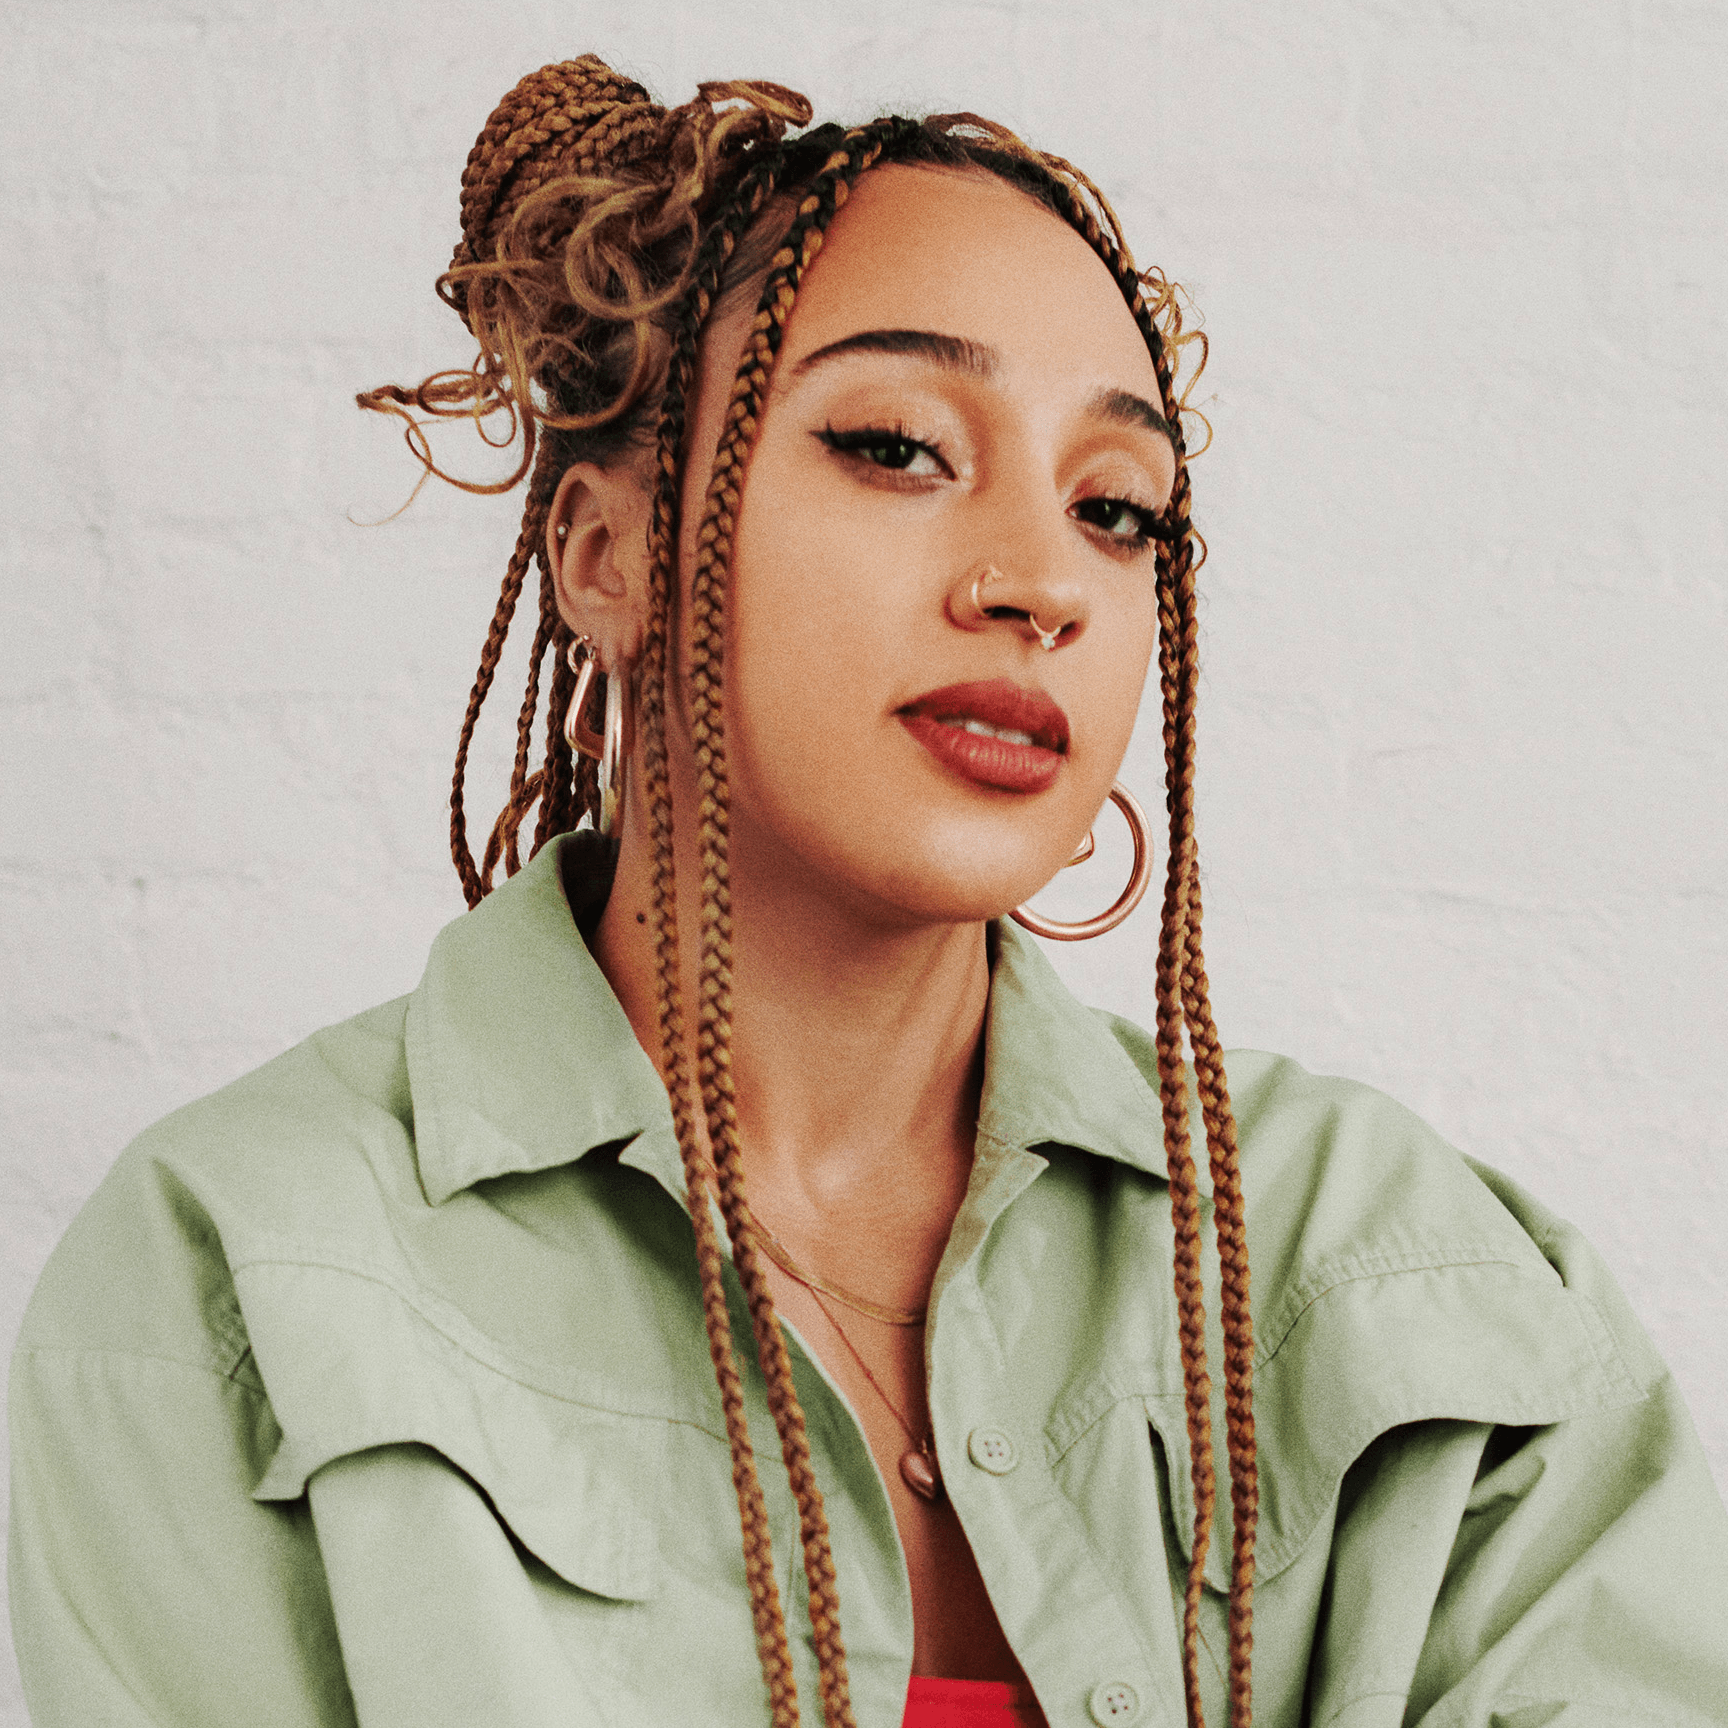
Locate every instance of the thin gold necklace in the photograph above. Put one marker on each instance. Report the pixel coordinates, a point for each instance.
(775, 1249)
(918, 1467)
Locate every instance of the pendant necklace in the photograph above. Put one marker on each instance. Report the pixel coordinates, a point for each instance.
(918, 1467)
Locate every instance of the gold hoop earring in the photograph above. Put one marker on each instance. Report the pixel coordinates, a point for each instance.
(988, 574)
(1139, 879)
(607, 745)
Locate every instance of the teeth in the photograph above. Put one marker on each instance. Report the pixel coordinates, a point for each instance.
(983, 729)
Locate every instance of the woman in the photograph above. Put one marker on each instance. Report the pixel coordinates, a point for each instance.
(372, 1389)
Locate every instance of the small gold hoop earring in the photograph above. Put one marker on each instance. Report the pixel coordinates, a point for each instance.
(988, 574)
(1139, 879)
(605, 746)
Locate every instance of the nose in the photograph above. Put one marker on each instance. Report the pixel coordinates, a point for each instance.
(1042, 610)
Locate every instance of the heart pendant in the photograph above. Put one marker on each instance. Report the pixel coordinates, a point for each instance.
(918, 1470)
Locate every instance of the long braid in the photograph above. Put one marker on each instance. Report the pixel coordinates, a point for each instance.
(529, 540)
(1228, 1206)
(562, 781)
(1182, 1000)
(524, 788)
(1184, 1189)
(826, 194)
(1182, 975)
(1179, 679)
(658, 680)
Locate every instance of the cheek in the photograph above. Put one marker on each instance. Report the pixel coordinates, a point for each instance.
(814, 613)
(1124, 644)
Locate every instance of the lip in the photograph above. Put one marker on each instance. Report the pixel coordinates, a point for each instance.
(994, 762)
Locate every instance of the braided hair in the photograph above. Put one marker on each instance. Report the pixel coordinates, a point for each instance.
(599, 231)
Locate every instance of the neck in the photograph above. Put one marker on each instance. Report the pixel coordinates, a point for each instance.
(857, 1044)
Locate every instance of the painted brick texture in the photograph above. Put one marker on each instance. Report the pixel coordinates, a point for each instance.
(1465, 719)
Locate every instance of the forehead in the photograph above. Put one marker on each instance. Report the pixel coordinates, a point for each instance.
(964, 253)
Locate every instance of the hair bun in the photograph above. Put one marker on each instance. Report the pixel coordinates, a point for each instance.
(573, 117)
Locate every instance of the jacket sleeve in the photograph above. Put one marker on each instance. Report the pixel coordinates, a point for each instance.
(1588, 1582)
(1579, 1571)
(147, 1585)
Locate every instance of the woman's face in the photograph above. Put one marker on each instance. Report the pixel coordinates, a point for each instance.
(961, 389)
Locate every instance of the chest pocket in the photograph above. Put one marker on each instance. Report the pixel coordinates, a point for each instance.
(350, 1366)
(1368, 1345)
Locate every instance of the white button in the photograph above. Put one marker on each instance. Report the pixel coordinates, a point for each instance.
(1114, 1704)
(990, 1449)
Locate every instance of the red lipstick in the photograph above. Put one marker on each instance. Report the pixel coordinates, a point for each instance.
(960, 725)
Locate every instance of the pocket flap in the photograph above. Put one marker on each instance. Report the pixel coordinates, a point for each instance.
(350, 1365)
(1470, 1341)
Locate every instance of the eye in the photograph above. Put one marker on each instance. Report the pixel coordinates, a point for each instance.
(1130, 523)
(890, 447)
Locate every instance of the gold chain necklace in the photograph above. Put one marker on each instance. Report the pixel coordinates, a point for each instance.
(775, 1249)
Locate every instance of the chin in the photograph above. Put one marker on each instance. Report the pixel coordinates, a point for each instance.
(939, 888)
(903, 855)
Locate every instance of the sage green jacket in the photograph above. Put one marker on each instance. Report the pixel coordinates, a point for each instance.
(374, 1389)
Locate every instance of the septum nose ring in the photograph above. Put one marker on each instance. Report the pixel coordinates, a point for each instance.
(1046, 638)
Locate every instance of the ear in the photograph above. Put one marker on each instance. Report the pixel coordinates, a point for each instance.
(600, 559)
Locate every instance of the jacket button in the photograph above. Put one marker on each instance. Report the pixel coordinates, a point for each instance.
(990, 1449)
(1114, 1704)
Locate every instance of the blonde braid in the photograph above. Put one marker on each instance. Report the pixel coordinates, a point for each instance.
(1182, 993)
(529, 541)
(570, 780)
(1182, 1000)
(828, 192)
(1184, 1185)
(658, 681)
(1183, 996)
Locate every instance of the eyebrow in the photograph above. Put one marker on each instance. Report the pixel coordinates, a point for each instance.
(978, 360)
(953, 352)
(1127, 409)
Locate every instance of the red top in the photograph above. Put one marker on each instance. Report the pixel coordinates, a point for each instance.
(969, 1704)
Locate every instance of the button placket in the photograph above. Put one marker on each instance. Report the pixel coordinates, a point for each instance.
(1066, 1643)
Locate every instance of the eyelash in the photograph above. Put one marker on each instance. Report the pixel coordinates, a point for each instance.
(857, 441)
(862, 438)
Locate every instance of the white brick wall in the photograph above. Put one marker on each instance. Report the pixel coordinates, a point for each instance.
(1466, 718)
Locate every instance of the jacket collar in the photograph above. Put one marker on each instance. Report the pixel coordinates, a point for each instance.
(520, 1057)
(1059, 1073)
